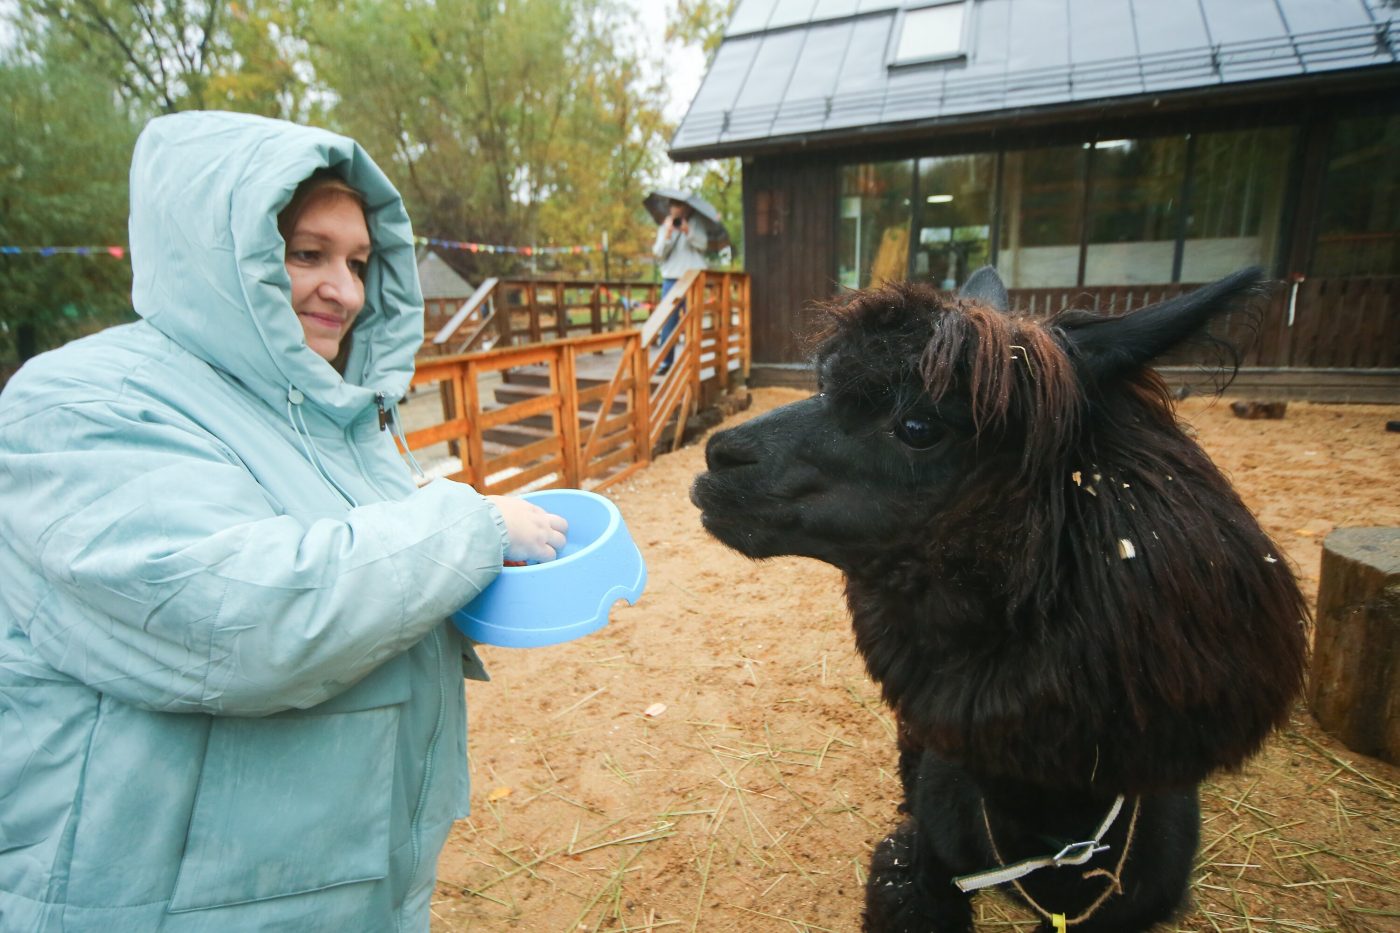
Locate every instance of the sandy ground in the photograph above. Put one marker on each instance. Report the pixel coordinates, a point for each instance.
(752, 801)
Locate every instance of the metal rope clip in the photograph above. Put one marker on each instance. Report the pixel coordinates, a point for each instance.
(1077, 853)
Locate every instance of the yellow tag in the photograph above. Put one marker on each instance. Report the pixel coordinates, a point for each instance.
(1058, 921)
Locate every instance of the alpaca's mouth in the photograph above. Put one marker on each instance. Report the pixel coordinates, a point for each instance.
(716, 500)
(738, 518)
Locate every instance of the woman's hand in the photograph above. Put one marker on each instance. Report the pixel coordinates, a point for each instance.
(535, 535)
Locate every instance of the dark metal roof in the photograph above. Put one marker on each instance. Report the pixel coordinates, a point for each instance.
(818, 69)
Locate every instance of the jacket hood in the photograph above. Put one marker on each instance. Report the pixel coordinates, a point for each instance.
(208, 260)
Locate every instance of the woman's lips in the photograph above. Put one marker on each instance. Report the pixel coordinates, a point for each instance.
(328, 321)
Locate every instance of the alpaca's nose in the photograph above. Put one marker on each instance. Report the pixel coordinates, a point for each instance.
(728, 449)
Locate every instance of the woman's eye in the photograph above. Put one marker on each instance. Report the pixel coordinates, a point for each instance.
(303, 255)
(359, 267)
(918, 433)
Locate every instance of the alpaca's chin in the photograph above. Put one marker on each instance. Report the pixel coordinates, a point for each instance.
(760, 526)
(740, 535)
(758, 539)
(751, 535)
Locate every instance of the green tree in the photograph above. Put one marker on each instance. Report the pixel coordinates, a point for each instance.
(169, 55)
(700, 22)
(65, 147)
(505, 121)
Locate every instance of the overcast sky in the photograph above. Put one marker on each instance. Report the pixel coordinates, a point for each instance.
(685, 67)
(7, 9)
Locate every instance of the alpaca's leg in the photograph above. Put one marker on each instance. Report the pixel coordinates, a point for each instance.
(910, 754)
(1139, 916)
(910, 891)
(1157, 877)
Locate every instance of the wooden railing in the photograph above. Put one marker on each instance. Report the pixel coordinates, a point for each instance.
(1110, 299)
(1342, 323)
(515, 312)
(1331, 323)
(588, 432)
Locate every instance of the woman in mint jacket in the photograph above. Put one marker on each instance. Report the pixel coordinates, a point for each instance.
(229, 700)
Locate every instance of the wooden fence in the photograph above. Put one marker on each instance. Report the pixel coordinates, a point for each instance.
(602, 406)
(1325, 323)
(513, 312)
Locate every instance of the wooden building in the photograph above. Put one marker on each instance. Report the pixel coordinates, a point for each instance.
(1098, 152)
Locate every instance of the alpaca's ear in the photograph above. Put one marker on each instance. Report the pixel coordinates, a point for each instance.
(985, 286)
(1104, 346)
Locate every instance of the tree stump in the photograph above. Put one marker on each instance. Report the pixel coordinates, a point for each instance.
(1256, 410)
(1355, 685)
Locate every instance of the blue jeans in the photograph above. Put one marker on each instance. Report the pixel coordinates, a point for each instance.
(669, 327)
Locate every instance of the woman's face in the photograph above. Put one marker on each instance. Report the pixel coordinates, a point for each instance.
(327, 253)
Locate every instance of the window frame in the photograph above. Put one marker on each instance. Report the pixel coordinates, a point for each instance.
(892, 60)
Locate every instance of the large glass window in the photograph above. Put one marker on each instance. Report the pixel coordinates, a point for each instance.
(1042, 202)
(1358, 231)
(1236, 201)
(1134, 199)
(954, 217)
(1122, 211)
(873, 239)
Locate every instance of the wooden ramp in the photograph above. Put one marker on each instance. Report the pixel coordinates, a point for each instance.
(582, 411)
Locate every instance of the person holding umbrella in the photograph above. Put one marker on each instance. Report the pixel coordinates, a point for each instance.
(680, 246)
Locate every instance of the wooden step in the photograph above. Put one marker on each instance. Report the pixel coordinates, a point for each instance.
(538, 375)
(516, 434)
(591, 369)
(510, 394)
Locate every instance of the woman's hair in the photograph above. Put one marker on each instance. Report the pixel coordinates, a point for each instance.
(322, 183)
(319, 184)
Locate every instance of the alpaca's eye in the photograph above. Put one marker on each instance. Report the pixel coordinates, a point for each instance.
(918, 433)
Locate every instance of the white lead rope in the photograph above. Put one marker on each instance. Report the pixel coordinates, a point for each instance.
(1076, 853)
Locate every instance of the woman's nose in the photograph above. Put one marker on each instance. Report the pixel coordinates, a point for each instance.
(342, 285)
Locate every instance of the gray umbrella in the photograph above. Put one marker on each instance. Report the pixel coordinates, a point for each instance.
(658, 205)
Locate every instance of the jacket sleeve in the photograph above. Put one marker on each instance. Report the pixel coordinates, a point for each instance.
(167, 577)
(665, 243)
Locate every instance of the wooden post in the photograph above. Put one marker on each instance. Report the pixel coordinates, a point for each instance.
(722, 334)
(561, 313)
(1355, 686)
(567, 413)
(449, 391)
(746, 324)
(695, 311)
(473, 455)
(502, 316)
(636, 352)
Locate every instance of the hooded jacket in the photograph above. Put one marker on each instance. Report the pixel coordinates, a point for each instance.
(228, 696)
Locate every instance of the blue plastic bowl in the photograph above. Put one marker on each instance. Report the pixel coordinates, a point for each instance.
(570, 596)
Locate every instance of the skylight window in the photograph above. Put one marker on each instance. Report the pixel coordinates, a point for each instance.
(931, 34)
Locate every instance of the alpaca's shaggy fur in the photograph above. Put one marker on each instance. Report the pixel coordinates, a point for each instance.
(1057, 591)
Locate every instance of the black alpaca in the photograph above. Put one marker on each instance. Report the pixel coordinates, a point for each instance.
(1074, 616)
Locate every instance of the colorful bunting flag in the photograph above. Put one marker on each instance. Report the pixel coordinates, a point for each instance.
(119, 252)
(116, 252)
(496, 248)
